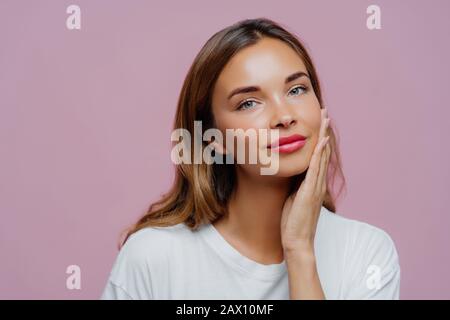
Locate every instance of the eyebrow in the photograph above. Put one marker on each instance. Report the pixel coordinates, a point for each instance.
(290, 78)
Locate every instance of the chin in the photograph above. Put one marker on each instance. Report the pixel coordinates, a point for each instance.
(288, 165)
(291, 167)
(295, 163)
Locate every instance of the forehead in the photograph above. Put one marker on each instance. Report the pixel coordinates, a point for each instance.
(269, 60)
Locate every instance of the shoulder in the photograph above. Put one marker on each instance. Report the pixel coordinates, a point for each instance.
(147, 251)
(370, 260)
(361, 244)
(358, 235)
(153, 242)
(141, 265)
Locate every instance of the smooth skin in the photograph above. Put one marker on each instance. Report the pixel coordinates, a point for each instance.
(261, 222)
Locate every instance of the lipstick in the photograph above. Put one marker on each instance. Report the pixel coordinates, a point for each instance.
(288, 144)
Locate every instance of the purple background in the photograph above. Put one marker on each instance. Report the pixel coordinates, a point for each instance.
(86, 115)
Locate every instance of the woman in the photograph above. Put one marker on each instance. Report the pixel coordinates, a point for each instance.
(226, 231)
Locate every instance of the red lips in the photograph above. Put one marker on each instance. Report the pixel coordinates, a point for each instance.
(287, 140)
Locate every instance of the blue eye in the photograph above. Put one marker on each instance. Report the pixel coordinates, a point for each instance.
(299, 87)
(243, 104)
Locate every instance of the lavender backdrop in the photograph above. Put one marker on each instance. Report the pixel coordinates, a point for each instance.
(85, 122)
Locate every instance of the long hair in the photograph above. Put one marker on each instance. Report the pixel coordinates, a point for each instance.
(200, 192)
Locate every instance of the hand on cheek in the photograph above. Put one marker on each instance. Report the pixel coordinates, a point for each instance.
(301, 210)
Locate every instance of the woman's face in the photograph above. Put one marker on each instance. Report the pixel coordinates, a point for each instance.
(292, 107)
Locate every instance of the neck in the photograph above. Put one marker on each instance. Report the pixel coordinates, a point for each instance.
(252, 223)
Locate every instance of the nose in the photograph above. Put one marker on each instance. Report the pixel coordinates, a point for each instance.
(284, 118)
(286, 121)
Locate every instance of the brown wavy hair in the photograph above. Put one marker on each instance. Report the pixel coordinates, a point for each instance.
(200, 192)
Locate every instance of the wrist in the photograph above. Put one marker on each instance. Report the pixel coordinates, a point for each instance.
(300, 254)
(299, 247)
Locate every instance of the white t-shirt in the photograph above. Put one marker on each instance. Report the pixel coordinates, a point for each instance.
(354, 260)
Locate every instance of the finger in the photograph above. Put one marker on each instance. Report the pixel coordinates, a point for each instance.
(322, 178)
(314, 165)
(323, 123)
(313, 169)
(321, 168)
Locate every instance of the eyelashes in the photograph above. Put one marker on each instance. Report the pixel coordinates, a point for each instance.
(298, 87)
(242, 105)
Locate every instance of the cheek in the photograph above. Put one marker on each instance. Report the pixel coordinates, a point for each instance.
(315, 123)
(310, 117)
(237, 120)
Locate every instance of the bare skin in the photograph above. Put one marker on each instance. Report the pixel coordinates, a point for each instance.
(261, 222)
